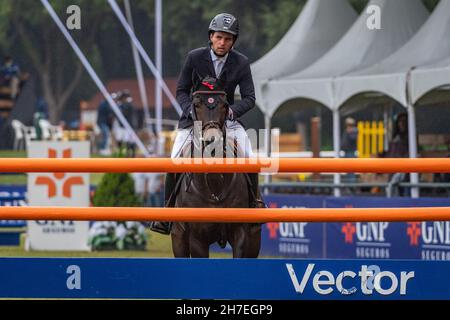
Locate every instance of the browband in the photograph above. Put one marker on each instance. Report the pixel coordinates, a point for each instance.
(209, 92)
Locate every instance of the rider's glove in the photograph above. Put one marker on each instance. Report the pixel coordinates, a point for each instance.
(230, 114)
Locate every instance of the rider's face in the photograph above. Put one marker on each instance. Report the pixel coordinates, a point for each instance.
(222, 42)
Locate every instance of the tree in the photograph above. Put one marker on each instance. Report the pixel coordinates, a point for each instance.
(28, 25)
(431, 4)
(277, 18)
(360, 4)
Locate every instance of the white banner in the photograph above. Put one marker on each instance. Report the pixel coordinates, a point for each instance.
(57, 190)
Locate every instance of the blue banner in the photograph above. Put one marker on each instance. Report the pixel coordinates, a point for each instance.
(223, 279)
(11, 196)
(299, 239)
(387, 240)
(377, 240)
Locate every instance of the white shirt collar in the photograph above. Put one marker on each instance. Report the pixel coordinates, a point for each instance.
(214, 57)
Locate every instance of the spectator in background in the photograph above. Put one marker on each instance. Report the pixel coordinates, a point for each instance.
(148, 187)
(10, 73)
(399, 148)
(40, 114)
(123, 136)
(105, 118)
(348, 144)
(155, 188)
(349, 138)
(141, 185)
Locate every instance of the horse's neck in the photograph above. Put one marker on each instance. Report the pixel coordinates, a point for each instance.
(216, 182)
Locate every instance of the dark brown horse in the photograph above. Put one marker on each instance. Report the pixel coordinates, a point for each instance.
(213, 190)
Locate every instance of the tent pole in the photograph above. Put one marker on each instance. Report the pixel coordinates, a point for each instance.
(336, 147)
(158, 60)
(139, 71)
(412, 133)
(267, 147)
(386, 126)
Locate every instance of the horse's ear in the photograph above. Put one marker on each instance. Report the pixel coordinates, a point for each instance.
(209, 79)
(196, 81)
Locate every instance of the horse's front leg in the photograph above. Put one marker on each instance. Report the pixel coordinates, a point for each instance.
(180, 241)
(253, 244)
(198, 249)
(199, 243)
(238, 239)
(246, 240)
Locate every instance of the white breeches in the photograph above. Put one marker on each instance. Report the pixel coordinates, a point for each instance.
(234, 130)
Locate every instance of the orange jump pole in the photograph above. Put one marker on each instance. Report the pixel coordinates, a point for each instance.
(223, 165)
(226, 214)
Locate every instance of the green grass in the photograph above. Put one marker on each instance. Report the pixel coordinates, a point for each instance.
(158, 246)
(12, 154)
(21, 179)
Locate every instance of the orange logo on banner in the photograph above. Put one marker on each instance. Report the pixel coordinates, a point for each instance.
(67, 185)
(349, 230)
(413, 232)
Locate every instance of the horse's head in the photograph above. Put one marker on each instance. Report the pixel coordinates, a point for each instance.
(211, 108)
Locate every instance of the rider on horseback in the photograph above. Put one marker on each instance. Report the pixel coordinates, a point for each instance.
(223, 62)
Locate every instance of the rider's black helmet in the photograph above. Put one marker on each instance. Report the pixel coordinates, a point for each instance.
(225, 22)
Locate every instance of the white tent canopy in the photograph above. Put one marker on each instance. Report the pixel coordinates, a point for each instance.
(318, 27)
(359, 48)
(390, 77)
(429, 77)
(430, 44)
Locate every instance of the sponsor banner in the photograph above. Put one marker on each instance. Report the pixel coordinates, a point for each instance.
(374, 240)
(11, 229)
(299, 239)
(266, 279)
(13, 190)
(388, 240)
(12, 195)
(58, 189)
(14, 201)
(377, 240)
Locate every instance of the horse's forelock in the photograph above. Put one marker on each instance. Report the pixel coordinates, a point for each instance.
(210, 83)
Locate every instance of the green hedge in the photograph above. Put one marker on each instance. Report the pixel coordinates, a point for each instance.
(116, 190)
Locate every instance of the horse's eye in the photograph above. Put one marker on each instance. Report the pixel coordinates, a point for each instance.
(222, 99)
(196, 100)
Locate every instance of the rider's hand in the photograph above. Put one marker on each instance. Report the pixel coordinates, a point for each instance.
(230, 114)
(192, 113)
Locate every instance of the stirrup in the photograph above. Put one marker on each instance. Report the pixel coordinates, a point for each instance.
(161, 227)
(258, 203)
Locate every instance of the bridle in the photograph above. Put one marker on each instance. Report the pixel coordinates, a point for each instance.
(216, 96)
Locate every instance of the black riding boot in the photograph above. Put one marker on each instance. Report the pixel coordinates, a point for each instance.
(160, 226)
(258, 202)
